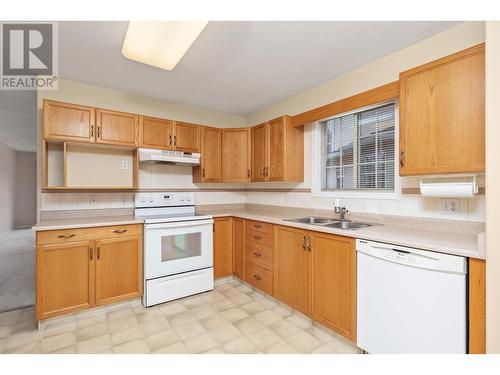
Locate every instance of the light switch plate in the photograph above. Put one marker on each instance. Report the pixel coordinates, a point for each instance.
(124, 164)
(450, 206)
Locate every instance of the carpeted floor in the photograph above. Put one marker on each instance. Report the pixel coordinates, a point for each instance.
(17, 269)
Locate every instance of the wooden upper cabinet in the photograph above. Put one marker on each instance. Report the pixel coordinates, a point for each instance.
(118, 269)
(442, 115)
(210, 168)
(333, 282)
(260, 152)
(291, 268)
(65, 278)
(223, 247)
(155, 132)
(187, 137)
(278, 151)
(65, 121)
(116, 128)
(236, 155)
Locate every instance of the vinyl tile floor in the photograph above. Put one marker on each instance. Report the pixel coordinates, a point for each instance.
(232, 318)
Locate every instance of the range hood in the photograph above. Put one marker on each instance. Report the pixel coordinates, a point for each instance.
(153, 156)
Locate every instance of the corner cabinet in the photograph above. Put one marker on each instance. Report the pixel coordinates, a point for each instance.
(278, 151)
(236, 155)
(81, 268)
(210, 168)
(442, 115)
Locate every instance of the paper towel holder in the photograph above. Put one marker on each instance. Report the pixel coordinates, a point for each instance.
(449, 186)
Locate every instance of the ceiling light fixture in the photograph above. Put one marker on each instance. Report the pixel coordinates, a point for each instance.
(160, 44)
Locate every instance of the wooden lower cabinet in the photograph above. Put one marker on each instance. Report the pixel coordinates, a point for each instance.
(65, 278)
(73, 274)
(333, 282)
(291, 268)
(477, 306)
(223, 247)
(118, 269)
(239, 248)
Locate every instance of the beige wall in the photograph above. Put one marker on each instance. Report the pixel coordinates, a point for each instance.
(7, 188)
(25, 189)
(377, 73)
(492, 187)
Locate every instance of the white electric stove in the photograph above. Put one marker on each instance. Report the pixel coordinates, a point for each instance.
(178, 247)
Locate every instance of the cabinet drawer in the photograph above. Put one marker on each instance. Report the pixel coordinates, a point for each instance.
(259, 278)
(259, 255)
(266, 239)
(259, 226)
(87, 234)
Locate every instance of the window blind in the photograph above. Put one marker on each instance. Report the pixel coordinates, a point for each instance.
(359, 150)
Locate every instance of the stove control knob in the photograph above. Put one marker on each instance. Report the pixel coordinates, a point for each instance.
(182, 199)
(188, 199)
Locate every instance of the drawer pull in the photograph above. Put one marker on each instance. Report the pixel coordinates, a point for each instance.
(258, 255)
(258, 226)
(258, 278)
(66, 235)
(91, 253)
(119, 231)
(258, 238)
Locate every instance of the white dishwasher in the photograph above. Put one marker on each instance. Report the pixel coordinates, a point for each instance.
(410, 300)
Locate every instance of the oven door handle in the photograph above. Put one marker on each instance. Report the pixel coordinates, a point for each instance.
(178, 224)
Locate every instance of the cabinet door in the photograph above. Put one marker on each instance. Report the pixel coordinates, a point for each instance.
(236, 153)
(210, 168)
(118, 269)
(276, 169)
(333, 282)
(117, 128)
(442, 107)
(64, 278)
(291, 268)
(155, 133)
(239, 248)
(70, 122)
(223, 247)
(187, 137)
(260, 151)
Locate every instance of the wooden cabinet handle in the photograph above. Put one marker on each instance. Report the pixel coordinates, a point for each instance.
(119, 231)
(91, 253)
(402, 158)
(309, 243)
(258, 238)
(98, 253)
(175, 140)
(258, 278)
(170, 140)
(203, 172)
(264, 171)
(258, 255)
(66, 235)
(91, 131)
(99, 132)
(248, 173)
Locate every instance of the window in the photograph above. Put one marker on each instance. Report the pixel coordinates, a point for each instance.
(358, 150)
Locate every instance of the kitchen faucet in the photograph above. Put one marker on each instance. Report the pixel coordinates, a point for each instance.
(342, 211)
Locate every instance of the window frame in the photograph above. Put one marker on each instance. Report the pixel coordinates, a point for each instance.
(317, 162)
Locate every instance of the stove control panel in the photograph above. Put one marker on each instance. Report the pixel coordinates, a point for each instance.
(164, 199)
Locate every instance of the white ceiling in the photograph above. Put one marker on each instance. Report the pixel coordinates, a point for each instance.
(18, 120)
(236, 67)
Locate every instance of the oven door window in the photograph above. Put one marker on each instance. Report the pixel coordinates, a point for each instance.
(180, 246)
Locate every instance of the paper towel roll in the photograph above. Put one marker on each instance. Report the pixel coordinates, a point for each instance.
(453, 188)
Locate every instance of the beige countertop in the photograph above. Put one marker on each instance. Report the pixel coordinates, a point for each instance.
(86, 222)
(458, 238)
(444, 241)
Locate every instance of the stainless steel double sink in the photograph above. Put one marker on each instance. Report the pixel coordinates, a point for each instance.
(331, 223)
